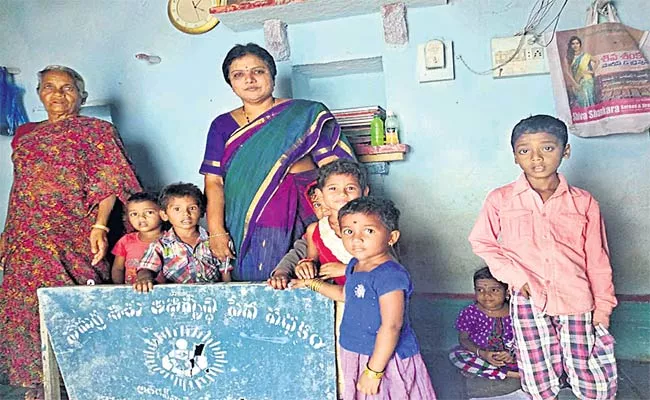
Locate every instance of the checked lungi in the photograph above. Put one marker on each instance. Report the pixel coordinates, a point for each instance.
(472, 364)
(552, 346)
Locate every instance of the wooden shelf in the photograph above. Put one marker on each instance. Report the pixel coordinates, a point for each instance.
(296, 12)
(366, 149)
(381, 157)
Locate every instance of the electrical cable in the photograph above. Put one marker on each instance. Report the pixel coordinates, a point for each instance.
(538, 13)
(557, 20)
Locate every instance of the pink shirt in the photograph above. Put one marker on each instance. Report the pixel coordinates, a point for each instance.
(559, 247)
(132, 249)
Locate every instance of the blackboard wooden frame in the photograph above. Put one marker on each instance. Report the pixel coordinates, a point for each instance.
(297, 323)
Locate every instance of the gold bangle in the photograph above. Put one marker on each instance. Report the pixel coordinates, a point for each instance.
(102, 227)
(373, 374)
(316, 284)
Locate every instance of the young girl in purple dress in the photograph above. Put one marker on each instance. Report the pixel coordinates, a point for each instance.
(485, 334)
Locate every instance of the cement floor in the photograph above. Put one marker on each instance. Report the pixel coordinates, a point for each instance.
(634, 383)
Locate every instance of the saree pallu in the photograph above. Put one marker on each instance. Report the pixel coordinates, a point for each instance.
(266, 207)
(62, 171)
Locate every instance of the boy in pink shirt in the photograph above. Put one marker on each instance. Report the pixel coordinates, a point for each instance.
(546, 240)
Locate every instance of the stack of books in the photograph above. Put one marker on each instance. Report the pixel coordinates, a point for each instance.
(355, 125)
(356, 119)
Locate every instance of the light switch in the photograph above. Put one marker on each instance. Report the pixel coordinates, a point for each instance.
(434, 54)
(435, 61)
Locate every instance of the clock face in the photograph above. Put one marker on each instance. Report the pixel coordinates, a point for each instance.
(192, 16)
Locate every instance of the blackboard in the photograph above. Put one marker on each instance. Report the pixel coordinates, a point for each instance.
(191, 342)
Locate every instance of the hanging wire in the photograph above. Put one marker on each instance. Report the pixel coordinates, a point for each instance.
(554, 21)
(538, 13)
(489, 71)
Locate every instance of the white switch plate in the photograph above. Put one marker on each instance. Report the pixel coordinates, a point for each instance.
(530, 60)
(436, 74)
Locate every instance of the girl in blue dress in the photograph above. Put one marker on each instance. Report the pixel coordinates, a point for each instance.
(380, 354)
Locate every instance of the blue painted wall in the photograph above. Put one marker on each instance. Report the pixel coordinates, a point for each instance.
(458, 129)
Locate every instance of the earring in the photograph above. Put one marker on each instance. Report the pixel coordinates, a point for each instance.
(390, 243)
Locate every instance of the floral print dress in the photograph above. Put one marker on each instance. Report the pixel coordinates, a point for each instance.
(62, 170)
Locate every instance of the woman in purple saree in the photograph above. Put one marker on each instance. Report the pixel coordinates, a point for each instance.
(259, 161)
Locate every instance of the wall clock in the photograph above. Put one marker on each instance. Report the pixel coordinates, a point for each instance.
(192, 16)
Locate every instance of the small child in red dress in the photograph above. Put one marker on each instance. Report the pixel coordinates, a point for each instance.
(143, 214)
(339, 183)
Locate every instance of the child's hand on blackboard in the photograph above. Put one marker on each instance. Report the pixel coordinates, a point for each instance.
(143, 285)
(279, 281)
(299, 283)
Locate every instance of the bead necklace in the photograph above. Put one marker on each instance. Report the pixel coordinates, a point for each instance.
(243, 109)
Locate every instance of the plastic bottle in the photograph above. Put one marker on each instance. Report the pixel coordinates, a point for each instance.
(376, 130)
(392, 128)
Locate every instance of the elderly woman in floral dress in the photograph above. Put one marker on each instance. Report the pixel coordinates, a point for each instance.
(68, 172)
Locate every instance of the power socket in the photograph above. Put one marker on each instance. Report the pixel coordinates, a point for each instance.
(530, 60)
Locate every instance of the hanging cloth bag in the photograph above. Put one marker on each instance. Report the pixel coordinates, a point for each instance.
(12, 112)
(601, 76)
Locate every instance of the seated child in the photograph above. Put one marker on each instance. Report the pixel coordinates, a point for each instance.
(485, 332)
(143, 214)
(338, 183)
(182, 253)
(379, 351)
(280, 276)
(546, 240)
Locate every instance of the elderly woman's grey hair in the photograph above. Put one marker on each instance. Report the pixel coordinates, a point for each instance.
(76, 77)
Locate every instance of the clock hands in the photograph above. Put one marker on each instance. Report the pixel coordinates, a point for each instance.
(196, 12)
(196, 7)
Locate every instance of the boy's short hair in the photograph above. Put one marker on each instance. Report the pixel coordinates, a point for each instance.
(540, 123)
(143, 196)
(342, 167)
(384, 209)
(137, 198)
(181, 189)
(484, 273)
